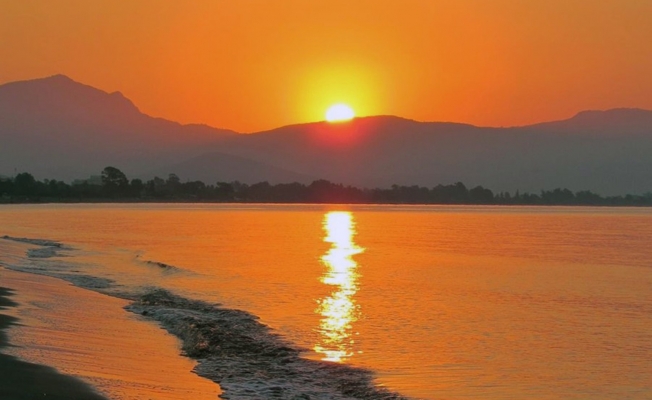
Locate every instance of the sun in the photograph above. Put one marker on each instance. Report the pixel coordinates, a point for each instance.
(339, 112)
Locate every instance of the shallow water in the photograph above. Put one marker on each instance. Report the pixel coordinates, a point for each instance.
(87, 335)
(441, 302)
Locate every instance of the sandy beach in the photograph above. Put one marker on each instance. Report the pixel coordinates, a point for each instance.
(24, 380)
(63, 342)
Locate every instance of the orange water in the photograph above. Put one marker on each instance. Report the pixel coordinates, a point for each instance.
(88, 335)
(442, 302)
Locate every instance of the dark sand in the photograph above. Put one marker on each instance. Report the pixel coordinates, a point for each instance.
(22, 380)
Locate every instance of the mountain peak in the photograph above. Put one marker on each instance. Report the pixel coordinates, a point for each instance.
(60, 94)
(59, 80)
(58, 77)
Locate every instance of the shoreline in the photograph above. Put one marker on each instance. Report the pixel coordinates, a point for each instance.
(227, 347)
(68, 342)
(24, 380)
(245, 203)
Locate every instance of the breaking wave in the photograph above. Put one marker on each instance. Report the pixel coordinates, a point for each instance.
(166, 268)
(244, 356)
(37, 242)
(62, 270)
(161, 265)
(247, 358)
(49, 248)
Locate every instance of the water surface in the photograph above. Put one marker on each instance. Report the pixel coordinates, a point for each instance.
(442, 302)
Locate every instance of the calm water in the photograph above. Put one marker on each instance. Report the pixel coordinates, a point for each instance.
(442, 302)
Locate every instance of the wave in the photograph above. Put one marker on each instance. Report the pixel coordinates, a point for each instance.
(49, 248)
(53, 268)
(247, 358)
(38, 242)
(163, 266)
(244, 356)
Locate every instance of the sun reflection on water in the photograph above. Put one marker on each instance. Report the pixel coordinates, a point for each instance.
(339, 310)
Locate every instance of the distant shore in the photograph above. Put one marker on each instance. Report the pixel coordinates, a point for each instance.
(196, 201)
(113, 186)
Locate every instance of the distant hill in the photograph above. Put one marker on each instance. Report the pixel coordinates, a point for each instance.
(220, 167)
(605, 151)
(57, 128)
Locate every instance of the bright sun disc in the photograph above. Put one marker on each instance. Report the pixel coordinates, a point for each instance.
(339, 112)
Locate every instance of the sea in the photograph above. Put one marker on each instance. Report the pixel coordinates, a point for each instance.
(423, 302)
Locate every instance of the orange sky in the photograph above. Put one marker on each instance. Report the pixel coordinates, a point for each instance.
(251, 65)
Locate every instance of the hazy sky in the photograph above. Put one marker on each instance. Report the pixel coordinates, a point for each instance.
(251, 65)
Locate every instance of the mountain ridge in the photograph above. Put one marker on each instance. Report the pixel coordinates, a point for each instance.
(62, 79)
(55, 126)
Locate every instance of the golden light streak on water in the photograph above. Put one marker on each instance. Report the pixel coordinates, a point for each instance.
(339, 310)
(452, 302)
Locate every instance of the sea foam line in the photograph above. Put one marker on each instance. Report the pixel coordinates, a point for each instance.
(247, 359)
(244, 356)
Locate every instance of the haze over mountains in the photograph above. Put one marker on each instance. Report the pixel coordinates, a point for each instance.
(59, 129)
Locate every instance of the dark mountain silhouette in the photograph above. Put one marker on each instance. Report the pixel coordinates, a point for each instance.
(58, 128)
(605, 151)
(222, 167)
(611, 122)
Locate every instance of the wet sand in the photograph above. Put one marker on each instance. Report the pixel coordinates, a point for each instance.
(63, 342)
(23, 380)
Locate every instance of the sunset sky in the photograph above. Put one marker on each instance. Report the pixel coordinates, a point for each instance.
(252, 65)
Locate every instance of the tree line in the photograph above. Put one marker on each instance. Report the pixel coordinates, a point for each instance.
(114, 186)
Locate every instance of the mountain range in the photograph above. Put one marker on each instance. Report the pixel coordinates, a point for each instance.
(57, 128)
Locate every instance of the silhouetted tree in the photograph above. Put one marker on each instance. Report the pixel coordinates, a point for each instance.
(24, 184)
(6, 186)
(587, 197)
(196, 189)
(24, 187)
(173, 184)
(450, 194)
(558, 196)
(136, 188)
(114, 182)
(224, 191)
(480, 195)
(155, 187)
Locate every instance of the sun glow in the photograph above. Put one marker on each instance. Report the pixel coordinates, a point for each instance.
(339, 113)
